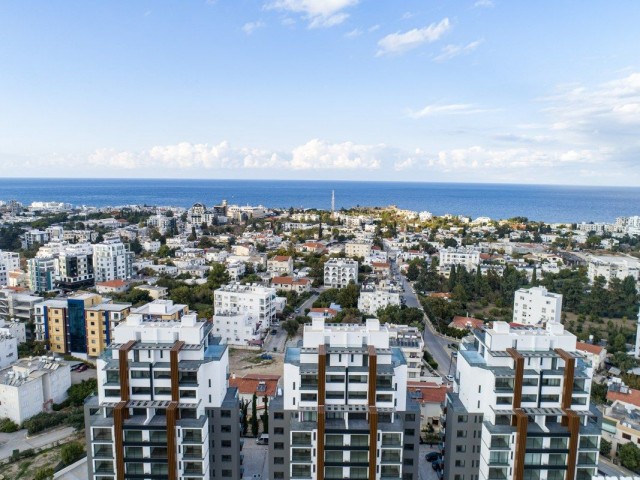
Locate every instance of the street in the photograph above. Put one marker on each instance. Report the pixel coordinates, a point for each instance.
(20, 441)
(435, 345)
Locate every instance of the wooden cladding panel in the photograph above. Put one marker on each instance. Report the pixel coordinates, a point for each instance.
(123, 364)
(567, 381)
(573, 423)
(373, 440)
(320, 442)
(522, 423)
(518, 360)
(322, 375)
(172, 454)
(175, 374)
(373, 373)
(119, 414)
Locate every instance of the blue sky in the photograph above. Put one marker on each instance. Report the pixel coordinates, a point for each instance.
(465, 91)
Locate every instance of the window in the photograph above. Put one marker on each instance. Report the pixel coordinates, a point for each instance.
(277, 446)
(225, 413)
(462, 419)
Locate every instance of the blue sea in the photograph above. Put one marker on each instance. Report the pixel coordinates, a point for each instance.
(536, 202)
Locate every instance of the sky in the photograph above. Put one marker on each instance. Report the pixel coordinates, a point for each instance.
(493, 91)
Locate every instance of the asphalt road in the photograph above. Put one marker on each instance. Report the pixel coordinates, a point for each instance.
(435, 345)
(605, 467)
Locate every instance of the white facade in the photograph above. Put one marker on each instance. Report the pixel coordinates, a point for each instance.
(357, 249)
(409, 340)
(151, 246)
(202, 375)
(463, 257)
(112, 260)
(280, 265)
(339, 272)
(42, 273)
(31, 386)
(491, 389)
(374, 297)
(536, 305)
(611, 267)
(254, 301)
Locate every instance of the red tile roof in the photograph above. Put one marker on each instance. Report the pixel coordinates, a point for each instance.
(429, 392)
(463, 323)
(379, 264)
(290, 281)
(112, 284)
(281, 258)
(587, 347)
(328, 311)
(248, 385)
(632, 397)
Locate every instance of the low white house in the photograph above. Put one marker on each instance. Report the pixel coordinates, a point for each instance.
(31, 386)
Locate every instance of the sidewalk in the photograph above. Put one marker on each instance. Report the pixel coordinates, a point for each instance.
(20, 441)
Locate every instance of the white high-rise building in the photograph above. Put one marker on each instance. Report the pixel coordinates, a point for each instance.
(520, 407)
(463, 257)
(344, 411)
(536, 306)
(374, 297)
(112, 260)
(164, 409)
(339, 272)
(9, 261)
(43, 272)
(243, 313)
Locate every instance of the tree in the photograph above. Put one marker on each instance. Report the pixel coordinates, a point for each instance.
(413, 271)
(629, 456)
(348, 296)
(44, 473)
(254, 415)
(605, 447)
(77, 393)
(135, 246)
(244, 414)
(217, 276)
(71, 452)
(291, 327)
(265, 415)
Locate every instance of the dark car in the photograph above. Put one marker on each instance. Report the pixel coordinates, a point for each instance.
(274, 332)
(437, 465)
(432, 456)
(82, 368)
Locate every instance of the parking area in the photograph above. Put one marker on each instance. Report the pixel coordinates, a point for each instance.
(274, 342)
(78, 376)
(426, 471)
(255, 460)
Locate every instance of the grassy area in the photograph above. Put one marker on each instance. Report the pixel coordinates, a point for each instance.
(26, 468)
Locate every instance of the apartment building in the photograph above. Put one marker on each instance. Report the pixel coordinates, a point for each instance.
(162, 310)
(339, 272)
(164, 408)
(75, 266)
(9, 261)
(464, 257)
(357, 249)
(100, 320)
(19, 307)
(520, 407)
(409, 340)
(292, 284)
(280, 265)
(536, 306)
(374, 297)
(610, 267)
(32, 385)
(8, 346)
(112, 260)
(344, 411)
(243, 313)
(33, 238)
(42, 272)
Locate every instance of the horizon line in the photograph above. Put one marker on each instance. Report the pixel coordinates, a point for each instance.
(325, 180)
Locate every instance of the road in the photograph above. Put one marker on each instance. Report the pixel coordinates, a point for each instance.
(435, 345)
(20, 441)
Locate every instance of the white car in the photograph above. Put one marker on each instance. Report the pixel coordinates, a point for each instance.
(450, 378)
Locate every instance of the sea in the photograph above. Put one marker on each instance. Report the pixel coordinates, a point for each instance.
(498, 201)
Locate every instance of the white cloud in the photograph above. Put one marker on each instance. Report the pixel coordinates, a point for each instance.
(450, 109)
(484, 4)
(373, 28)
(251, 27)
(400, 42)
(450, 51)
(356, 32)
(317, 154)
(319, 13)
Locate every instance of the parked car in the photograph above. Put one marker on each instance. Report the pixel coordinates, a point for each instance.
(274, 332)
(266, 356)
(82, 368)
(263, 439)
(437, 465)
(432, 456)
(450, 378)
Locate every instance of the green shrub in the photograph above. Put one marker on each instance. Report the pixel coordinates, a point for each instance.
(8, 426)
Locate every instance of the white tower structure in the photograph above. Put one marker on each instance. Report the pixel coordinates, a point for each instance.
(333, 201)
(637, 352)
